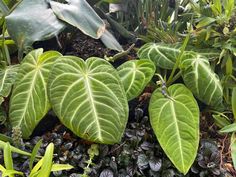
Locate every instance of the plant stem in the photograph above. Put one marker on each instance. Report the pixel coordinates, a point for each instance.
(119, 55)
(182, 49)
(175, 77)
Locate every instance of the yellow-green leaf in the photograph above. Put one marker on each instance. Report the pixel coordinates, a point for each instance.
(175, 121)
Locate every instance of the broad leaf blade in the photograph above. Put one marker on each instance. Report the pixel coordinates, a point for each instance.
(201, 80)
(29, 101)
(135, 75)
(175, 121)
(88, 98)
(32, 21)
(7, 78)
(163, 55)
(81, 15)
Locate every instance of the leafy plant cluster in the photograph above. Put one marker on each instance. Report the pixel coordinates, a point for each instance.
(79, 92)
(43, 167)
(90, 96)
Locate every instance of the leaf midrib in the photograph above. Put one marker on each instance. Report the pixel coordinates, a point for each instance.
(177, 132)
(90, 97)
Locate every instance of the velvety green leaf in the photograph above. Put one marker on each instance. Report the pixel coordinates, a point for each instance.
(32, 21)
(81, 15)
(29, 101)
(163, 55)
(233, 102)
(229, 128)
(135, 75)
(233, 149)
(201, 80)
(7, 79)
(88, 98)
(175, 121)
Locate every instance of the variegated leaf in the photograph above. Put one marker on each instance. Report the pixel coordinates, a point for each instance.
(175, 120)
(163, 55)
(7, 78)
(88, 98)
(135, 75)
(201, 80)
(29, 101)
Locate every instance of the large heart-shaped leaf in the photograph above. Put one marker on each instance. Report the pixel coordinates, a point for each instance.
(163, 55)
(88, 98)
(200, 79)
(135, 75)
(29, 101)
(81, 15)
(32, 21)
(7, 78)
(175, 120)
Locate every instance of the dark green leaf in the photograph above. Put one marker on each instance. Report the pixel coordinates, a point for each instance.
(81, 15)
(32, 21)
(201, 80)
(163, 55)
